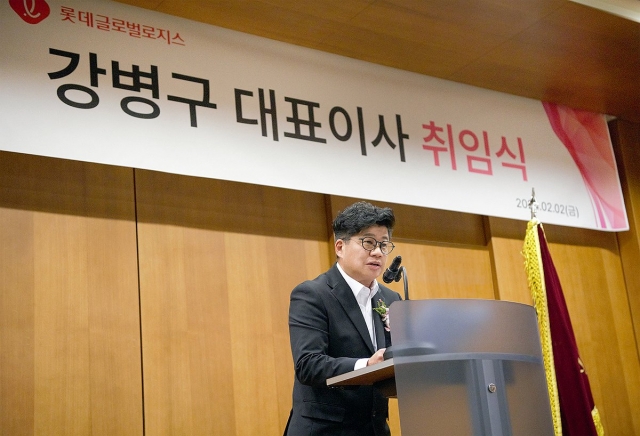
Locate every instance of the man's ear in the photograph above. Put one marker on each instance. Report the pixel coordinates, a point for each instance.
(339, 247)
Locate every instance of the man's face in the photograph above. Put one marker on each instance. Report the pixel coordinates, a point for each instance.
(360, 264)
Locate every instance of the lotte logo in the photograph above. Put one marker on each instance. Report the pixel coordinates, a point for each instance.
(31, 11)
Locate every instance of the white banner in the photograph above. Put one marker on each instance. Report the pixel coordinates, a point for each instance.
(104, 82)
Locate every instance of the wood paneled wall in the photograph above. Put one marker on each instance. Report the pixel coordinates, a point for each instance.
(218, 261)
(138, 302)
(626, 138)
(69, 318)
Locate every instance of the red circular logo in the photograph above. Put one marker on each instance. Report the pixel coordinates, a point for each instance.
(31, 11)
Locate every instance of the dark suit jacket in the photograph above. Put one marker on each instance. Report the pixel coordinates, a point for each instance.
(328, 335)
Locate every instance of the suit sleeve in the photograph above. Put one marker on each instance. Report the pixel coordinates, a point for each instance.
(309, 331)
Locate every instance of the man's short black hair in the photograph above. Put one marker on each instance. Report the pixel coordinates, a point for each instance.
(359, 216)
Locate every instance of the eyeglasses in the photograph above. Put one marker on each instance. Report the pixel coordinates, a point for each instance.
(370, 244)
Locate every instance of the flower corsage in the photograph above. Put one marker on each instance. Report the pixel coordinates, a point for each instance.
(383, 311)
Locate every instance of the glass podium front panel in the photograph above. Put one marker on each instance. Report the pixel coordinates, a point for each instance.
(469, 367)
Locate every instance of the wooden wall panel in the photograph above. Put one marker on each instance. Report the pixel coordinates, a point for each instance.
(506, 243)
(626, 141)
(440, 271)
(69, 327)
(218, 261)
(17, 323)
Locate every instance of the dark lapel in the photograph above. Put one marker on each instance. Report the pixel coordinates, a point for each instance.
(343, 293)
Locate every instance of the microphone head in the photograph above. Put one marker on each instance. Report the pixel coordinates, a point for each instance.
(391, 274)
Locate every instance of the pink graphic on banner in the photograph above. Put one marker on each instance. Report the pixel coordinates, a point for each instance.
(586, 137)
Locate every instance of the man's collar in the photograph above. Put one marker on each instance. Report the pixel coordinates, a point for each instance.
(355, 285)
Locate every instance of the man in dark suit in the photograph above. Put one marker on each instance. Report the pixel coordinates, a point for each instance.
(334, 330)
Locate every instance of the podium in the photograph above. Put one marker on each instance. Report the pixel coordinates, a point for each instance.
(463, 367)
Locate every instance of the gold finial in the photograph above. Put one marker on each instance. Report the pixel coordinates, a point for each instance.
(533, 205)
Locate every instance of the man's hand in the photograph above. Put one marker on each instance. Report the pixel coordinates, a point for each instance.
(377, 357)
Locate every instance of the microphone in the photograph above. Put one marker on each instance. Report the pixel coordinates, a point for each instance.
(392, 273)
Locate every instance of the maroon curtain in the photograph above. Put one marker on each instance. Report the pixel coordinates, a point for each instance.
(574, 390)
